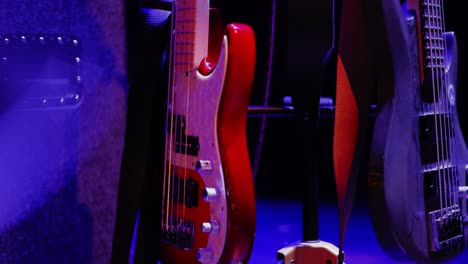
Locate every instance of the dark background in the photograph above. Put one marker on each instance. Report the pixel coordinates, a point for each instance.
(302, 37)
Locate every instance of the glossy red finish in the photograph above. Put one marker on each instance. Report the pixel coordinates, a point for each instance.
(344, 141)
(215, 42)
(231, 129)
(232, 119)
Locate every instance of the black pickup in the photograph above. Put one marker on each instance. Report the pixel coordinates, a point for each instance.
(183, 143)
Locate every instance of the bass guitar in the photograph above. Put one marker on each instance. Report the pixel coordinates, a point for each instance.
(208, 208)
(418, 161)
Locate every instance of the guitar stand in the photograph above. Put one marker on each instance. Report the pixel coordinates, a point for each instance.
(317, 251)
(310, 250)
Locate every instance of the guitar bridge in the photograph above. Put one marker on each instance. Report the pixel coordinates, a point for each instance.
(463, 192)
(178, 233)
(445, 230)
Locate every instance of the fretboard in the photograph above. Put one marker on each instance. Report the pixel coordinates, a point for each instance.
(432, 21)
(190, 33)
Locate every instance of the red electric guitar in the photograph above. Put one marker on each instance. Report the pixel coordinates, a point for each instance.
(208, 209)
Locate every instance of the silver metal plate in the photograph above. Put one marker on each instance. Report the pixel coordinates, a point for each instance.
(40, 70)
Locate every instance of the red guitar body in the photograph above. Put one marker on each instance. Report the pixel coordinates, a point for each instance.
(208, 211)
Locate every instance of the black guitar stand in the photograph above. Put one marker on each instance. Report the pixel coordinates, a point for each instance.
(308, 106)
(310, 247)
(136, 236)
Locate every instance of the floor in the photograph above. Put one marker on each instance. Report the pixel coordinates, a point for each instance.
(279, 224)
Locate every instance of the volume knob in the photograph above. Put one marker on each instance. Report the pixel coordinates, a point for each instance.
(210, 227)
(204, 165)
(210, 194)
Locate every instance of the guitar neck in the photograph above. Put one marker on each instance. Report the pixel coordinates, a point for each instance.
(431, 26)
(190, 33)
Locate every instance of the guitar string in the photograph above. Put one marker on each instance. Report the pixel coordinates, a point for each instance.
(434, 106)
(442, 101)
(190, 21)
(445, 115)
(440, 57)
(454, 172)
(449, 117)
(454, 153)
(169, 125)
(181, 117)
(443, 123)
(441, 104)
(177, 124)
(181, 65)
(437, 105)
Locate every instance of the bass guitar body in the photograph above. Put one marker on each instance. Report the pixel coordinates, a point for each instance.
(418, 161)
(208, 209)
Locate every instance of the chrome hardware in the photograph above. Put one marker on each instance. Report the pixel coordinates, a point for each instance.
(210, 194)
(451, 94)
(463, 192)
(431, 167)
(204, 165)
(445, 228)
(54, 89)
(204, 254)
(210, 227)
(178, 232)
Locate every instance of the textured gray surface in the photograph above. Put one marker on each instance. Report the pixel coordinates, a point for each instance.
(59, 168)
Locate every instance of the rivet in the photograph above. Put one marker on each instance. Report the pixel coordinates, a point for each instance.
(77, 60)
(60, 40)
(75, 42)
(7, 40)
